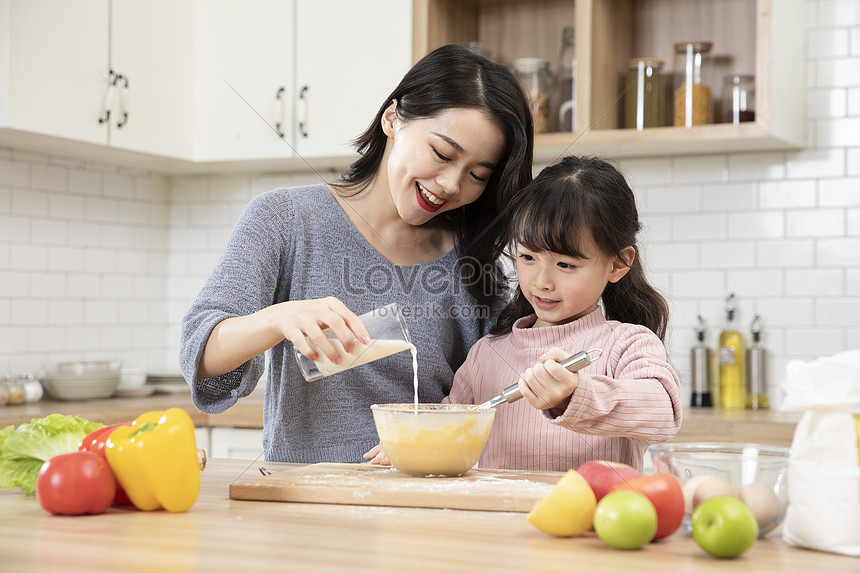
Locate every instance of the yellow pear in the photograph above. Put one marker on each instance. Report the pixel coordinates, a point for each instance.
(568, 509)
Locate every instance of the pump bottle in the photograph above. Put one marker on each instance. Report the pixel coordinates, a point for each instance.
(732, 357)
(700, 395)
(757, 388)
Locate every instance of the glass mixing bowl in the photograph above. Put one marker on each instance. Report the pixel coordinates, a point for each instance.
(738, 464)
(433, 439)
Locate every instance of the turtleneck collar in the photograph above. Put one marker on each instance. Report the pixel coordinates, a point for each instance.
(524, 335)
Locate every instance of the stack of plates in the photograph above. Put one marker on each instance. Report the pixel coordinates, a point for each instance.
(81, 380)
(168, 382)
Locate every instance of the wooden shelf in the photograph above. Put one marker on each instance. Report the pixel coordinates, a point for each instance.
(749, 36)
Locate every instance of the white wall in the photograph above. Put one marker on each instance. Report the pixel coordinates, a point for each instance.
(781, 230)
(83, 263)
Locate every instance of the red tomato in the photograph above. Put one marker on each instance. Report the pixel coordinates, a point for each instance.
(664, 491)
(75, 484)
(95, 443)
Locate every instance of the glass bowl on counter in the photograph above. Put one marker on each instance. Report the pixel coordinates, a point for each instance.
(433, 439)
(756, 474)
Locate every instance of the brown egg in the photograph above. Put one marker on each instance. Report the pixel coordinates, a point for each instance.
(689, 490)
(712, 487)
(763, 503)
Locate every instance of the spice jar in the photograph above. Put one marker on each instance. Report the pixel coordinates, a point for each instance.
(643, 106)
(535, 77)
(17, 393)
(738, 99)
(566, 115)
(692, 92)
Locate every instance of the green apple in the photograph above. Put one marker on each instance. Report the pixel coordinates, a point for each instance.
(625, 519)
(724, 527)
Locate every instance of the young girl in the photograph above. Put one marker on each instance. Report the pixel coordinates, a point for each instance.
(414, 221)
(575, 231)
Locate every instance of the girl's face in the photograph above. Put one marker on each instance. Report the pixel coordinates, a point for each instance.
(561, 288)
(440, 163)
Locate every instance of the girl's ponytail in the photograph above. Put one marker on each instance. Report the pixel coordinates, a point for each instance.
(634, 300)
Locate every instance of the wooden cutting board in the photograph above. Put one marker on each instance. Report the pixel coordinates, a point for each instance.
(365, 484)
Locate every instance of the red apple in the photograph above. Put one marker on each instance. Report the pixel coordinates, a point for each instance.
(602, 475)
(664, 491)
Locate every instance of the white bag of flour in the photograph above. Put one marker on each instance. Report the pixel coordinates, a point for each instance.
(824, 464)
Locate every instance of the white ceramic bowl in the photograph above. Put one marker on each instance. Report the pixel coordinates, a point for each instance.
(434, 439)
(738, 464)
(132, 378)
(81, 380)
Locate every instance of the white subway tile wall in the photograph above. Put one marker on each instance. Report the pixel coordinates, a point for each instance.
(83, 263)
(100, 262)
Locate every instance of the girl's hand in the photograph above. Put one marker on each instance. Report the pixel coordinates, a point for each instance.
(547, 384)
(302, 323)
(377, 456)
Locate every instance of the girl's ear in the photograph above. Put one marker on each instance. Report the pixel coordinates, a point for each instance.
(620, 266)
(389, 118)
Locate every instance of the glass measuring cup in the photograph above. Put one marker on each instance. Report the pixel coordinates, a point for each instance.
(388, 335)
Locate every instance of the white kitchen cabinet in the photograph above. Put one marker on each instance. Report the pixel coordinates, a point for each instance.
(53, 76)
(314, 70)
(152, 44)
(244, 80)
(350, 56)
(61, 55)
(237, 443)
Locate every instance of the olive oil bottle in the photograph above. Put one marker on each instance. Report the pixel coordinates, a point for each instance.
(732, 357)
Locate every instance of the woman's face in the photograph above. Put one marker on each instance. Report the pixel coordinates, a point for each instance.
(440, 163)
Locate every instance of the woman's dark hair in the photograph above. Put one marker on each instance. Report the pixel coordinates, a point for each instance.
(567, 200)
(448, 78)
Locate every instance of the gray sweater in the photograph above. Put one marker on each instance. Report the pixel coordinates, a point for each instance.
(297, 244)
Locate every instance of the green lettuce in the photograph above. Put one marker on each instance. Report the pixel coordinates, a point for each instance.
(25, 449)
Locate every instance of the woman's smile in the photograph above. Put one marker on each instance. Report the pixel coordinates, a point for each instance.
(427, 200)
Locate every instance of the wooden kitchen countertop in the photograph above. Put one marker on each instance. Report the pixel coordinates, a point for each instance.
(769, 427)
(221, 534)
(247, 413)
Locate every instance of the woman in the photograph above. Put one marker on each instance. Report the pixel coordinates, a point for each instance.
(416, 220)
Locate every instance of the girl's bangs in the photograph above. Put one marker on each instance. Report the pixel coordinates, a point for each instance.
(549, 224)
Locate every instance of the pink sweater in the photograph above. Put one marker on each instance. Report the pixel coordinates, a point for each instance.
(625, 401)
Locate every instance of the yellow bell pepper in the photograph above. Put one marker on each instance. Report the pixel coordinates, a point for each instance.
(155, 460)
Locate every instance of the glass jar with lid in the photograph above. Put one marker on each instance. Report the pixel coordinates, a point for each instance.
(535, 77)
(738, 98)
(643, 101)
(692, 90)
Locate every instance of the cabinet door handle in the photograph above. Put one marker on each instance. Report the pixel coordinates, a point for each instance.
(111, 91)
(303, 108)
(279, 111)
(123, 101)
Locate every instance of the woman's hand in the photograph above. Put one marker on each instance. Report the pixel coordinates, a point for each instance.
(548, 384)
(302, 323)
(377, 456)
(236, 340)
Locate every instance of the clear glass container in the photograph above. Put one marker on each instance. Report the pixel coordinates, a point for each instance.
(643, 101)
(738, 99)
(4, 390)
(536, 79)
(693, 100)
(17, 391)
(566, 106)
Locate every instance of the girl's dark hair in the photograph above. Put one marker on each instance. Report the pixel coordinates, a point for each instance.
(453, 77)
(565, 201)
